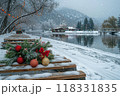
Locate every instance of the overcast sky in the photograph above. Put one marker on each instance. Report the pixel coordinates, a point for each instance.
(94, 8)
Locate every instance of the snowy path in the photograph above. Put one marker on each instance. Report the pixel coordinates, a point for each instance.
(97, 64)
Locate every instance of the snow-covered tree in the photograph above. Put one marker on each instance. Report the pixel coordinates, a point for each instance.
(63, 25)
(48, 25)
(110, 23)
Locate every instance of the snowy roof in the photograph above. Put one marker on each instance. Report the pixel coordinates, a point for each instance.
(71, 28)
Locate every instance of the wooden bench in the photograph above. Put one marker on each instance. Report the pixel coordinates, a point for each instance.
(60, 68)
(14, 42)
(9, 40)
(17, 41)
(61, 76)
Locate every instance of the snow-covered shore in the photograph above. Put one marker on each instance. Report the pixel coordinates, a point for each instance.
(82, 32)
(118, 33)
(97, 64)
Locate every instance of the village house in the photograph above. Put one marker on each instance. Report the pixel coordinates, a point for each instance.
(71, 29)
(58, 30)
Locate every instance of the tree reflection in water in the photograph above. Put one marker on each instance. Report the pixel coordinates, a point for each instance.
(85, 40)
(106, 42)
(119, 44)
(110, 41)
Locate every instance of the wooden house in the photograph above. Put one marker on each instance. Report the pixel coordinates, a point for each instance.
(59, 30)
(71, 29)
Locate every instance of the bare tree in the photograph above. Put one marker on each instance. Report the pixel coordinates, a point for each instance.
(32, 7)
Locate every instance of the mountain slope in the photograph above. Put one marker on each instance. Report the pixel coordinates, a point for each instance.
(64, 15)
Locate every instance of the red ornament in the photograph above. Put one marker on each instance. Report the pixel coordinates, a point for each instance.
(34, 63)
(41, 50)
(20, 60)
(18, 48)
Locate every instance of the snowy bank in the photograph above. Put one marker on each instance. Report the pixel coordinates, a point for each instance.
(118, 33)
(81, 32)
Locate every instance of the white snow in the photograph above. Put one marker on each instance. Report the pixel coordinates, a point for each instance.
(71, 73)
(97, 64)
(58, 59)
(42, 75)
(82, 32)
(71, 28)
(39, 66)
(118, 33)
(13, 77)
(35, 76)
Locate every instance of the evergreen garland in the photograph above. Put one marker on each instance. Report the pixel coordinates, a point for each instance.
(28, 52)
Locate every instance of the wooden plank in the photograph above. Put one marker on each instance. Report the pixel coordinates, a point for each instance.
(14, 42)
(65, 61)
(14, 65)
(19, 39)
(52, 62)
(61, 77)
(39, 69)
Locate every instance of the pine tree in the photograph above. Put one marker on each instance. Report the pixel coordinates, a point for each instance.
(88, 26)
(79, 26)
(91, 24)
(85, 25)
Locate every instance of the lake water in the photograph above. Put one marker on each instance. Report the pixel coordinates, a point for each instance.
(108, 43)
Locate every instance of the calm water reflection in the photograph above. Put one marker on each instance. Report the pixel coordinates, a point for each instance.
(109, 43)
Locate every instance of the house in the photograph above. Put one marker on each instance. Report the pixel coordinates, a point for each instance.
(71, 29)
(58, 30)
